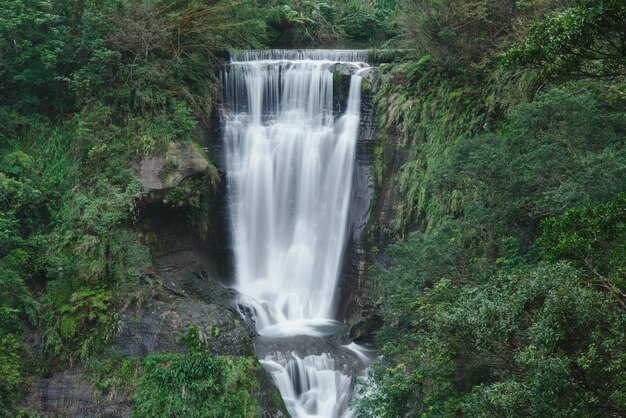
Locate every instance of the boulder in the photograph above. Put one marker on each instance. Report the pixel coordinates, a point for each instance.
(344, 68)
(180, 161)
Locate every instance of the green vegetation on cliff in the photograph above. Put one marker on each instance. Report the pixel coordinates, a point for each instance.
(192, 384)
(505, 292)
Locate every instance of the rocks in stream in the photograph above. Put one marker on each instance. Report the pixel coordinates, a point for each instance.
(305, 345)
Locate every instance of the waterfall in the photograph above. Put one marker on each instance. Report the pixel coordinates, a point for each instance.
(290, 163)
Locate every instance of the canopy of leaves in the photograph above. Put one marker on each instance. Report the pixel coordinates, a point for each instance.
(527, 340)
(588, 40)
(593, 238)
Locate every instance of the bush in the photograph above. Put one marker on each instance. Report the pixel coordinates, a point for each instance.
(535, 341)
(82, 325)
(11, 373)
(196, 385)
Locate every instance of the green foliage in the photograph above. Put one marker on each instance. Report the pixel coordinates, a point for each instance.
(587, 40)
(505, 181)
(312, 23)
(11, 376)
(31, 45)
(424, 123)
(114, 374)
(592, 238)
(82, 325)
(475, 324)
(87, 88)
(21, 248)
(302, 22)
(457, 33)
(532, 341)
(196, 385)
(369, 20)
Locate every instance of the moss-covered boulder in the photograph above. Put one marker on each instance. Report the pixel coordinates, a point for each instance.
(181, 160)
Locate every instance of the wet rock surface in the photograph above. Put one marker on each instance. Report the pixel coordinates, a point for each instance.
(70, 394)
(363, 200)
(306, 345)
(364, 316)
(344, 68)
(160, 327)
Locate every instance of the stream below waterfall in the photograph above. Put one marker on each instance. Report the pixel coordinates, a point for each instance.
(289, 158)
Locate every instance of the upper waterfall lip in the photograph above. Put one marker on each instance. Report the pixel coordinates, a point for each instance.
(288, 55)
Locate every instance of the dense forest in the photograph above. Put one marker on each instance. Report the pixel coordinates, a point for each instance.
(503, 291)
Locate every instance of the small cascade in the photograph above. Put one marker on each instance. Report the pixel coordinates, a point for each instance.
(313, 386)
(290, 166)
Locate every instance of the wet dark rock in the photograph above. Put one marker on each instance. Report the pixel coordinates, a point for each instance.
(365, 319)
(161, 327)
(70, 394)
(268, 397)
(368, 74)
(306, 345)
(375, 203)
(356, 254)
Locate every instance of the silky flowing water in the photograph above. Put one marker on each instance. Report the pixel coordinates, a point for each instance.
(290, 162)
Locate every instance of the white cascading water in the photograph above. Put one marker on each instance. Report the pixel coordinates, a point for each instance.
(290, 168)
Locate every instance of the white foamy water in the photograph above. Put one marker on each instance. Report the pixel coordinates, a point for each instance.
(290, 165)
(313, 386)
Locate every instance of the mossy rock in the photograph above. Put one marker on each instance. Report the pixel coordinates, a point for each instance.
(182, 160)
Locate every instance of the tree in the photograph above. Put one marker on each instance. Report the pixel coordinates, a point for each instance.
(588, 40)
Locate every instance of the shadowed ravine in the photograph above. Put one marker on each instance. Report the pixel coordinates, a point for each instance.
(290, 164)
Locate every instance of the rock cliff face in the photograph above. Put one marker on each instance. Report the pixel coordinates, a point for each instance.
(71, 394)
(184, 290)
(374, 203)
(177, 296)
